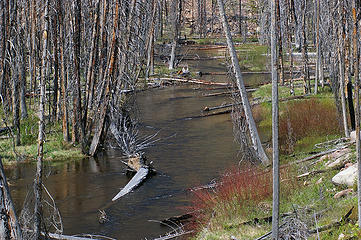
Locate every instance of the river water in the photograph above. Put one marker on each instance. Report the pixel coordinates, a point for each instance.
(192, 152)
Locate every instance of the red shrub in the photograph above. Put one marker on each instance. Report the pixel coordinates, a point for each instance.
(243, 187)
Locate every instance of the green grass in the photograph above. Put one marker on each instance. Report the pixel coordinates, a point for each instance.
(55, 149)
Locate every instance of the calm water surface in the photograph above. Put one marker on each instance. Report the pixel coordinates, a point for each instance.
(199, 151)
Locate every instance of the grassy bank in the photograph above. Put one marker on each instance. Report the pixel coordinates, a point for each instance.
(245, 193)
(55, 149)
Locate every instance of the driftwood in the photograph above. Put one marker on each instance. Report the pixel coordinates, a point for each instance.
(252, 104)
(227, 92)
(317, 155)
(138, 178)
(67, 237)
(193, 81)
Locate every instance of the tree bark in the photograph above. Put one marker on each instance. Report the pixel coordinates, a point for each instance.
(280, 48)
(275, 28)
(109, 75)
(64, 78)
(306, 73)
(257, 145)
(9, 224)
(174, 22)
(356, 54)
(77, 108)
(341, 59)
(318, 46)
(39, 165)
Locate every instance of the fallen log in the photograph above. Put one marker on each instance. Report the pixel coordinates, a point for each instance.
(227, 92)
(195, 81)
(136, 163)
(5, 130)
(317, 155)
(178, 219)
(253, 103)
(334, 224)
(138, 178)
(207, 109)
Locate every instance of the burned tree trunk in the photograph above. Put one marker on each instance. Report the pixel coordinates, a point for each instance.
(108, 76)
(63, 81)
(341, 58)
(9, 224)
(275, 29)
(305, 73)
(257, 145)
(175, 25)
(78, 126)
(356, 57)
(39, 165)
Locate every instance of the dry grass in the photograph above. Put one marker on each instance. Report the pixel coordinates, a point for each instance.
(306, 118)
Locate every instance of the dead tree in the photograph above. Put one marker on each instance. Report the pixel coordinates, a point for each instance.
(175, 25)
(39, 165)
(257, 145)
(275, 28)
(9, 224)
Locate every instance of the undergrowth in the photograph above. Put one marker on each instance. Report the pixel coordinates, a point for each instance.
(240, 195)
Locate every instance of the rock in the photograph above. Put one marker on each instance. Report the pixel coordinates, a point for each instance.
(343, 193)
(353, 136)
(339, 161)
(346, 176)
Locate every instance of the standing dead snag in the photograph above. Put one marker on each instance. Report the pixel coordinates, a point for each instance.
(256, 141)
(9, 225)
(356, 57)
(106, 97)
(39, 165)
(275, 28)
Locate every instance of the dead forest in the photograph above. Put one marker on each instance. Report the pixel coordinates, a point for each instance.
(75, 65)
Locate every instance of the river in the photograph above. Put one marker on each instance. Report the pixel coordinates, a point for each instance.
(192, 153)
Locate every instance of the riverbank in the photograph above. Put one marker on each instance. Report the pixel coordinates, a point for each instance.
(55, 148)
(311, 202)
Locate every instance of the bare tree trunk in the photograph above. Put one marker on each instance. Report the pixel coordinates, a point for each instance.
(93, 59)
(341, 59)
(13, 38)
(318, 46)
(39, 165)
(289, 30)
(356, 57)
(240, 17)
(9, 224)
(65, 123)
(275, 29)
(33, 48)
(110, 70)
(174, 21)
(56, 67)
(257, 145)
(77, 108)
(305, 74)
(150, 45)
(280, 48)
